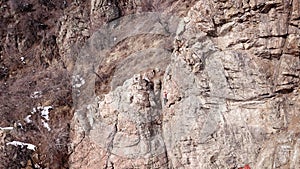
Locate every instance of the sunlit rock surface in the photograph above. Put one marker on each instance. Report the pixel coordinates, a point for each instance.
(160, 84)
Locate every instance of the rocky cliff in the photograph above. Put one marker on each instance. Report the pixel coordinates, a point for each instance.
(150, 84)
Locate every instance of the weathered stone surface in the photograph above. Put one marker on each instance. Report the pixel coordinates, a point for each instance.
(223, 97)
(155, 84)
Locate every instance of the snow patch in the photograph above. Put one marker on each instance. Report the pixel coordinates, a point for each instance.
(18, 143)
(78, 81)
(27, 119)
(46, 125)
(22, 60)
(20, 125)
(45, 111)
(37, 166)
(36, 95)
(6, 128)
(33, 110)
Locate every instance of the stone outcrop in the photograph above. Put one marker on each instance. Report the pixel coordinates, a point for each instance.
(160, 84)
(229, 97)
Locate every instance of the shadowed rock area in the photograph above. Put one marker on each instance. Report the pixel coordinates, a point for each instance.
(150, 84)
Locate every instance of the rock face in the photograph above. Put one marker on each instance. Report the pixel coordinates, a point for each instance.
(229, 97)
(160, 84)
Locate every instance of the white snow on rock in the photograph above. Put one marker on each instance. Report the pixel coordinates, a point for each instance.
(27, 119)
(18, 143)
(45, 111)
(22, 60)
(20, 125)
(6, 128)
(33, 110)
(46, 125)
(36, 95)
(78, 81)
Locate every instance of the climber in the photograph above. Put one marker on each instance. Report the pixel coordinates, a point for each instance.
(245, 167)
(165, 97)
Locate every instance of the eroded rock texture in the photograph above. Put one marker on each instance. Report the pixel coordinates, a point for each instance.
(228, 97)
(155, 84)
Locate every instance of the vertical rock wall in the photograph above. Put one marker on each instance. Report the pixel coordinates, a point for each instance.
(229, 97)
(199, 84)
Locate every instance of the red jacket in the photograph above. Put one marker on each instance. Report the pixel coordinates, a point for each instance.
(245, 167)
